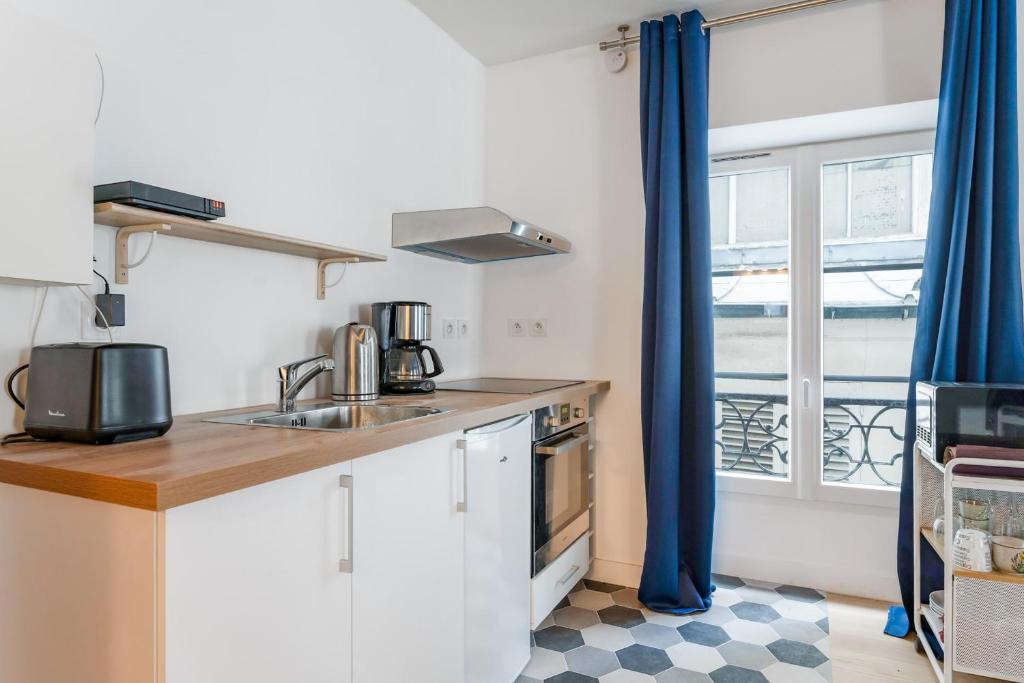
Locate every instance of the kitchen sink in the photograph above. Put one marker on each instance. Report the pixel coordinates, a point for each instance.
(333, 417)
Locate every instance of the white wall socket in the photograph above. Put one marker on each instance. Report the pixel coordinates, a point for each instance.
(539, 327)
(462, 328)
(517, 327)
(449, 328)
(91, 331)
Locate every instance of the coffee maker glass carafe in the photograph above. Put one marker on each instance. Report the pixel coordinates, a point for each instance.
(402, 327)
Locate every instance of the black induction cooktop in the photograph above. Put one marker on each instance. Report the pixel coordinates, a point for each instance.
(504, 385)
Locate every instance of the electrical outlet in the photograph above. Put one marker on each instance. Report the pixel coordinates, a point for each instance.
(449, 328)
(463, 328)
(91, 331)
(539, 327)
(517, 327)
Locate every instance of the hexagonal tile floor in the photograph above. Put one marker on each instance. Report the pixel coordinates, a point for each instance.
(754, 633)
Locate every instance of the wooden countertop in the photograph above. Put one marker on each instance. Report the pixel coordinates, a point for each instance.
(197, 460)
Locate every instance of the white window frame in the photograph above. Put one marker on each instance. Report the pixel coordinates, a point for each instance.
(806, 404)
(768, 160)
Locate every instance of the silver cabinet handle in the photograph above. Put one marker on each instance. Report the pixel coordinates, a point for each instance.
(571, 573)
(460, 505)
(563, 446)
(345, 564)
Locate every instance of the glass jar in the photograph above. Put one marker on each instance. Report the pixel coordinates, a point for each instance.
(939, 518)
(1011, 522)
(974, 513)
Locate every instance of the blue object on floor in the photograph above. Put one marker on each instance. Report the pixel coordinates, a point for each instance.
(897, 624)
(677, 398)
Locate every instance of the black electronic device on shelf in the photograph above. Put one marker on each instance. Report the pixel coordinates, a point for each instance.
(144, 196)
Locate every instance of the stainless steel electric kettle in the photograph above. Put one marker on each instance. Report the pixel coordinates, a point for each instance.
(356, 369)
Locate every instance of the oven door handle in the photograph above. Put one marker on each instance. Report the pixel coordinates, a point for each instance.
(563, 446)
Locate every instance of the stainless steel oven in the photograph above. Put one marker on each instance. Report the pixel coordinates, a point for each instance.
(561, 479)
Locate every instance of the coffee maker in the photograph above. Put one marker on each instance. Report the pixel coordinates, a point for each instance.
(401, 328)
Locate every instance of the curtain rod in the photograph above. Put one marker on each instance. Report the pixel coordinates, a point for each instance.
(726, 21)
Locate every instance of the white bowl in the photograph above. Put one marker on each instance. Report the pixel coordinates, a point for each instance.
(937, 601)
(1008, 554)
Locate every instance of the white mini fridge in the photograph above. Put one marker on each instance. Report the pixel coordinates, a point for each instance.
(498, 549)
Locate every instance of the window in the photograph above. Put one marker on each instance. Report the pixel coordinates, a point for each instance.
(750, 208)
(816, 256)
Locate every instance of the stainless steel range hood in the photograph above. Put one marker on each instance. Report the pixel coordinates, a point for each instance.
(474, 235)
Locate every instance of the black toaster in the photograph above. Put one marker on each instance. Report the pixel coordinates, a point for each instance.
(98, 393)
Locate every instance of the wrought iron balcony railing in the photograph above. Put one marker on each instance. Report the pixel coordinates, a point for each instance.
(862, 440)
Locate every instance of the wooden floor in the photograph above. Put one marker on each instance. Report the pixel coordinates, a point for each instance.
(861, 653)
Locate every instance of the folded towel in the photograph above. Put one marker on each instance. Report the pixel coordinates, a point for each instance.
(989, 453)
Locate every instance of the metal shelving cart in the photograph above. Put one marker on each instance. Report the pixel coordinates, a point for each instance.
(984, 611)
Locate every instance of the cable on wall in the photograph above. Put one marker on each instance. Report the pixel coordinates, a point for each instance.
(341, 277)
(103, 89)
(39, 316)
(149, 248)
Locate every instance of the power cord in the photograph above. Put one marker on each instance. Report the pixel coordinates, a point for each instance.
(18, 437)
(39, 316)
(106, 282)
(149, 248)
(344, 271)
(21, 437)
(103, 89)
(10, 385)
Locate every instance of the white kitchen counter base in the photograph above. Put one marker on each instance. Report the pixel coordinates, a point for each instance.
(379, 580)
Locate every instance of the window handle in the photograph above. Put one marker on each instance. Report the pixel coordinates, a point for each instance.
(806, 393)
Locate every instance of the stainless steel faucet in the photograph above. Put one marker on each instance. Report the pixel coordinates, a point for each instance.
(291, 384)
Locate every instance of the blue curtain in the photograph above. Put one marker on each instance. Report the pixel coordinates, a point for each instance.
(969, 325)
(677, 366)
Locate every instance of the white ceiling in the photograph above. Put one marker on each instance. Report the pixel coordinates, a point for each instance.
(497, 31)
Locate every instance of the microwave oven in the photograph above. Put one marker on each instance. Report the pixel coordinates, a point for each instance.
(954, 413)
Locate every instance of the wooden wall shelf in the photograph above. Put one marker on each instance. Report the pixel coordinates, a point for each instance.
(130, 220)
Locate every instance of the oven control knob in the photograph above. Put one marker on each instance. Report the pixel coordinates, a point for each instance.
(579, 413)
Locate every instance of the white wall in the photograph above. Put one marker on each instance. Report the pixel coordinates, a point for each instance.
(309, 118)
(563, 151)
(851, 55)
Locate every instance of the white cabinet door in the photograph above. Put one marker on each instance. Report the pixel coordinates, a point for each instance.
(49, 80)
(254, 590)
(498, 550)
(407, 577)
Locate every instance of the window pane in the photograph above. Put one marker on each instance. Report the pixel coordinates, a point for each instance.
(719, 190)
(870, 314)
(880, 197)
(833, 201)
(762, 206)
(752, 337)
